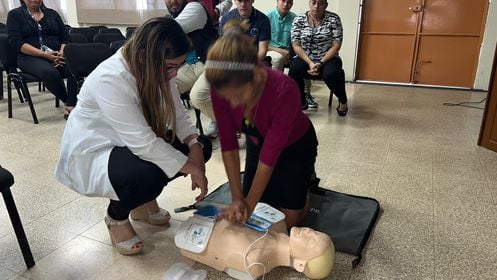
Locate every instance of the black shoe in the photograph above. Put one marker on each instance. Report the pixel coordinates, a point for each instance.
(310, 101)
(342, 113)
(305, 106)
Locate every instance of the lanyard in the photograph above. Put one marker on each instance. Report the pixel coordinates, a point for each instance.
(40, 29)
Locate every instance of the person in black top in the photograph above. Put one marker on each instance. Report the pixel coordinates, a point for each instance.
(38, 34)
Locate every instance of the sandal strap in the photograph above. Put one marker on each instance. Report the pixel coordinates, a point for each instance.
(128, 244)
(160, 215)
(111, 222)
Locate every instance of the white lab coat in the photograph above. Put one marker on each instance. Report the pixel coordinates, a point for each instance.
(109, 114)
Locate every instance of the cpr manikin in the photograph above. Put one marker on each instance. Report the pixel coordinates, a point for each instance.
(244, 253)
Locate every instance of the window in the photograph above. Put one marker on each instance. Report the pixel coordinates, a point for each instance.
(126, 12)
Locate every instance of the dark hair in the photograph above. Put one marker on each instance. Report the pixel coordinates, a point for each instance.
(235, 46)
(145, 53)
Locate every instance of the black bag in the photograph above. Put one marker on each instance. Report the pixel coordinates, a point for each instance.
(347, 219)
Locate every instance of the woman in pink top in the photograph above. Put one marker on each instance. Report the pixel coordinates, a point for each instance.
(264, 104)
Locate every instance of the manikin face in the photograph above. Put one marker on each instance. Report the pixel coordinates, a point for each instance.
(173, 65)
(244, 7)
(318, 7)
(33, 5)
(306, 243)
(284, 6)
(175, 6)
(238, 95)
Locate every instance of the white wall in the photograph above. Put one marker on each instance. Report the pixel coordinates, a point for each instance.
(349, 13)
(488, 49)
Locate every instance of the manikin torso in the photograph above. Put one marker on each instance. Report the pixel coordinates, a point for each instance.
(228, 246)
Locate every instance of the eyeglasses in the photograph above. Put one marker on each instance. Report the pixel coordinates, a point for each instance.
(174, 68)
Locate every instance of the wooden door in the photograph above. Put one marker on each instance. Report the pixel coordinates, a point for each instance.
(488, 132)
(440, 45)
(449, 42)
(387, 40)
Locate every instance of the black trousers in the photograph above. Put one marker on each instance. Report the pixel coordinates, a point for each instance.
(331, 72)
(53, 77)
(137, 181)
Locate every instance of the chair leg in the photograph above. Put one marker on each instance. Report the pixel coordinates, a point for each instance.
(199, 122)
(18, 229)
(19, 90)
(57, 102)
(9, 96)
(1, 85)
(30, 102)
(330, 101)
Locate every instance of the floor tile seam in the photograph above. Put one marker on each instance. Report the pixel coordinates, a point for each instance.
(488, 180)
(8, 269)
(383, 166)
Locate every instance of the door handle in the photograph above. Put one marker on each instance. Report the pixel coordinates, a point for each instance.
(416, 8)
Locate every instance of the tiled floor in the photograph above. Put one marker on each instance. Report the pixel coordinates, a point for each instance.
(437, 189)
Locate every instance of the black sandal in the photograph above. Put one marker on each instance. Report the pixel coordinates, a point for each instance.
(342, 113)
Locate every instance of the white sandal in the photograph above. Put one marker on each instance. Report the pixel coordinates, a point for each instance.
(143, 212)
(127, 247)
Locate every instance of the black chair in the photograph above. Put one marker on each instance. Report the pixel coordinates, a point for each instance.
(84, 58)
(129, 31)
(88, 32)
(109, 30)
(78, 38)
(107, 38)
(114, 46)
(68, 28)
(3, 27)
(97, 27)
(8, 58)
(7, 181)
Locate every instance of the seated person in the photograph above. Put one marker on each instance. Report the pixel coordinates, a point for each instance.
(317, 51)
(260, 30)
(239, 250)
(195, 19)
(39, 36)
(249, 97)
(281, 24)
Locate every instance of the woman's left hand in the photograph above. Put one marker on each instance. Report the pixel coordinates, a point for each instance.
(315, 69)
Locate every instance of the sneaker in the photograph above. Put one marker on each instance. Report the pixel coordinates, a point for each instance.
(211, 130)
(310, 102)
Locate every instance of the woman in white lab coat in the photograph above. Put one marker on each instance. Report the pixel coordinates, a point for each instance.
(130, 135)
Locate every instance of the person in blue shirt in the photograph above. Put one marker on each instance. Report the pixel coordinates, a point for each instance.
(281, 19)
(260, 28)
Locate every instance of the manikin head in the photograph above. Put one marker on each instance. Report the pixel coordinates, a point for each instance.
(244, 7)
(312, 252)
(284, 6)
(175, 7)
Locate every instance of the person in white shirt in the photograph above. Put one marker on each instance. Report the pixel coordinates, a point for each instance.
(197, 20)
(130, 135)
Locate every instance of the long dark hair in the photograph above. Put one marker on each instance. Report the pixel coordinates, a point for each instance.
(151, 44)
